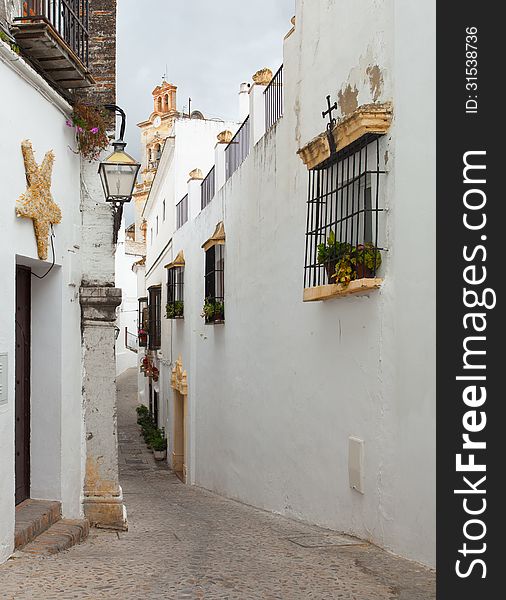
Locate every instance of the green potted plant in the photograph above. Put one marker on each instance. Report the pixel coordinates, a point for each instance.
(213, 310)
(367, 260)
(159, 446)
(142, 412)
(330, 253)
(357, 262)
(175, 310)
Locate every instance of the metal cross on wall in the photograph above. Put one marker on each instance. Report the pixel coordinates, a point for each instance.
(330, 124)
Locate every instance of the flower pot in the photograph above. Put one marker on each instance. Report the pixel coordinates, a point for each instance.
(330, 268)
(363, 272)
(160, 454)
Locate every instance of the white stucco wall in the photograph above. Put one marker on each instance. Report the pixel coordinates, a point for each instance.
(276, 392)
(31, 110)
(126, 280)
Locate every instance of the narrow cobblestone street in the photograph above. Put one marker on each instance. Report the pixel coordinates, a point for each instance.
(186, 543)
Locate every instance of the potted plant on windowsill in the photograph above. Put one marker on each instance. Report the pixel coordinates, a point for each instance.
(358, 262)
(175, 310)
(213, 311)
(331, 253)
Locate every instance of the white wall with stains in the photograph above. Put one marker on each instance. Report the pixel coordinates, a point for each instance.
(276, 392)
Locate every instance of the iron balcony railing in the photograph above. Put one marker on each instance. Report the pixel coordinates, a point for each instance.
(69, 18)
(274, 99)
(182, 212)
(207, 188)
(238, 149)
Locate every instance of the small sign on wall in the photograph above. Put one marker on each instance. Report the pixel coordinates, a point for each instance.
(3, 378)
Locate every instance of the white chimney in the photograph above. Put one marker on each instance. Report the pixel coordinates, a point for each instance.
(244, 101)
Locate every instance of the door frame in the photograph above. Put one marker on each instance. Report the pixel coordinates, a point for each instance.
(22, 412)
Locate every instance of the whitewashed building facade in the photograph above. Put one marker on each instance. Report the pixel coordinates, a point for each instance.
(301, 396)
(57, 296)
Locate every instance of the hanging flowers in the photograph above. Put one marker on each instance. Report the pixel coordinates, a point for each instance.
(90, 127)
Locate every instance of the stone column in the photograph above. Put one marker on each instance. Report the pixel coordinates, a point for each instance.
(103, 498)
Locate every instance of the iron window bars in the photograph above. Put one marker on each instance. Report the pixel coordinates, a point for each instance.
(238, 149)
(155, 317)
(343, 237)
(214, 307)
(273, 95)
(182, 212)
(69, 18)
(175, 299)
(207, 188)
(142, 322)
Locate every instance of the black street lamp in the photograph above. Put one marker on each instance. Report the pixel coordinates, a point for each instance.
(118, 173)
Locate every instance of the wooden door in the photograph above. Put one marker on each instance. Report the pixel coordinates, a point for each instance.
(22, 410)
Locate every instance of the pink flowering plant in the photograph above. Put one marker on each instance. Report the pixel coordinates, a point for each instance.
(90, 126)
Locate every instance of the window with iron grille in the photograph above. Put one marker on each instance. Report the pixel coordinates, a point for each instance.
(214, 307)
(155, 317)
(175, 299)
(142, 322)
(344, 232)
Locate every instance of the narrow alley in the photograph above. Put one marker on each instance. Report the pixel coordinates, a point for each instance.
(185, 543)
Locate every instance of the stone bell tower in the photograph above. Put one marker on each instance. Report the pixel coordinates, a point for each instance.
(154, 131)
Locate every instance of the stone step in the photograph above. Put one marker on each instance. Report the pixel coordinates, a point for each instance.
(33, 517)
(61, 536)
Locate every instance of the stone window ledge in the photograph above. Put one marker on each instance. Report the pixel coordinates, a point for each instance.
(365, 120)
(333, 290)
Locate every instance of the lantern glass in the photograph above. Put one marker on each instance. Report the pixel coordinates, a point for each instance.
(118, 173)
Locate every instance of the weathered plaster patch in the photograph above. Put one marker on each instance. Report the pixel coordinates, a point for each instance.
(348, 100)
(94, 484)
(375, 81)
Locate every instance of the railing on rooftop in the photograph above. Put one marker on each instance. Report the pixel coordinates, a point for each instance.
(273, 95)
(68, 18)
(182, 212)
(208, 188)
(238, 149)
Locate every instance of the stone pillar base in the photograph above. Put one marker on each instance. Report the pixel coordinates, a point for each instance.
(106, 512)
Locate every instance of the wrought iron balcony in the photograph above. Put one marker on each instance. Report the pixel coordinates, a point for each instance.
(53, 35)
(238, 149)
(208, 188)
(274, 99)
(182, 212)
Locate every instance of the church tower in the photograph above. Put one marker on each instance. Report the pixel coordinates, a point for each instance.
(154, 131)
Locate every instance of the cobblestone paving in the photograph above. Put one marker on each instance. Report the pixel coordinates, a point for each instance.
(185, 543)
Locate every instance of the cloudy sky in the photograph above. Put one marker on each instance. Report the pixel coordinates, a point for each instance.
(205, 48)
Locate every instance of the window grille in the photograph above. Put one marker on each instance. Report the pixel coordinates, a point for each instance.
(343, 233)
(182, 212)
(155, 317)
(175, 299)
(214, 307)
(142, 322)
